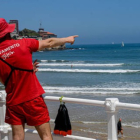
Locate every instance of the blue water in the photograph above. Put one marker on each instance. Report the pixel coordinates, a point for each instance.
(104, 66)
(93, 72)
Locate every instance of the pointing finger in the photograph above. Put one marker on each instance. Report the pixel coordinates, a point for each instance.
(75, 36)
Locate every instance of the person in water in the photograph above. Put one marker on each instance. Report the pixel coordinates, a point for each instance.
(24, 101)
(119, 126)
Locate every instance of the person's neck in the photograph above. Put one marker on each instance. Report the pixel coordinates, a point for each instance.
(7, 37)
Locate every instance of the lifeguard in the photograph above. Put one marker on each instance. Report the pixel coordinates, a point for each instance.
(24, 102)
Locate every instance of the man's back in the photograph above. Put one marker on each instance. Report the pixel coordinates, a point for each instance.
(22, 84)
(119, 125)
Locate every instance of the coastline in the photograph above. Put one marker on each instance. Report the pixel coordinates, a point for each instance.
(62, 47)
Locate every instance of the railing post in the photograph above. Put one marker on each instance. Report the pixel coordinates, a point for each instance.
(110, 104)
(3, 127)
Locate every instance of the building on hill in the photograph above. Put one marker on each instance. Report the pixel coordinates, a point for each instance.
(45, 34)
(16, 31)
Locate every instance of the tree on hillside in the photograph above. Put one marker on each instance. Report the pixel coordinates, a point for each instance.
(27, 32)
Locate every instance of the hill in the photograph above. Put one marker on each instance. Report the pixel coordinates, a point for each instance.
(27, 32)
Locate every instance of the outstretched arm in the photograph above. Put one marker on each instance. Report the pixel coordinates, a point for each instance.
(53, 42)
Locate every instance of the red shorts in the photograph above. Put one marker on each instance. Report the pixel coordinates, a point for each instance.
(32, 112)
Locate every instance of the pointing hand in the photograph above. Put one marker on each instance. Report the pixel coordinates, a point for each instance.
(71, 39)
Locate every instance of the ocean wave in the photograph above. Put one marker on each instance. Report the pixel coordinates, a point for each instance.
(133, 124)
(85, 63)
(79, 65)
(89, 90)
(86, 122)
(95, 132)
(90, 71)
(53, 60)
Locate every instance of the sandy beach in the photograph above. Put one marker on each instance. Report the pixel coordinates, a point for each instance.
(36, 137)
(93, 130)
(127, 132)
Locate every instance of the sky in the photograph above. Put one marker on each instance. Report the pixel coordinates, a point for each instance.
(95, 21)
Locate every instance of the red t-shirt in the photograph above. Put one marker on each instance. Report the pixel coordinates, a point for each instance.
(22, 85)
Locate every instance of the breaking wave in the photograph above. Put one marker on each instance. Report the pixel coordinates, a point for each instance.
(89, 90)
(95, 132)
(53, 61)
(133, 124)
(89, 71)
(79, 65)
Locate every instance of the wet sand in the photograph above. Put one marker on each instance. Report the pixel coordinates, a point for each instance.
(95, 130)
(36, 137)
(92, 124)
(128, 131)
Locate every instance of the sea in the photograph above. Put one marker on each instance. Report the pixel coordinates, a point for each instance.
(97, 72)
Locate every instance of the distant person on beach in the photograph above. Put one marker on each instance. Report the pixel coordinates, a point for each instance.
(119, 126)
(24, 101)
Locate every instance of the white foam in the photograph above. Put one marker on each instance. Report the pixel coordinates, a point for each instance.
(86, 122)
(53, 61)
(90, 71)
(44, 60)
(133, 124)
(79, 65)
(95, 132)
(90, 88)
(89, 92)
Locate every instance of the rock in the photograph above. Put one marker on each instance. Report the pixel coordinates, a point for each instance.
(62, 47)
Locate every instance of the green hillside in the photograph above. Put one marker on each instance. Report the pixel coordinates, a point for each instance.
(27, 32)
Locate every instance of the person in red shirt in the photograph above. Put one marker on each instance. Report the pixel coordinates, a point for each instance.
(24, 102)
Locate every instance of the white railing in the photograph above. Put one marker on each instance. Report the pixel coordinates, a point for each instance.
(111, 105)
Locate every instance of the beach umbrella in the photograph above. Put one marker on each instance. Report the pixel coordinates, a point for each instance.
(62, 121)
